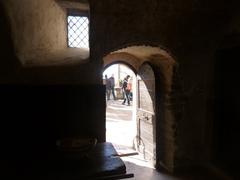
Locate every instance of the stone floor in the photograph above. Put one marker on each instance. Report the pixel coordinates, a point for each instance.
(120, 127)
(120, 130)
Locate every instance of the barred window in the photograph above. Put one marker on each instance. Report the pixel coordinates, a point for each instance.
(78, 31)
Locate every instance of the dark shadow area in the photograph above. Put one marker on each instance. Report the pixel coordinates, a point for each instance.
(9, 64)
(227, 108)
(34, 117)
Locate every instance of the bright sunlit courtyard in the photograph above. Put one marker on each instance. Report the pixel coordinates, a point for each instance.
(119, 124)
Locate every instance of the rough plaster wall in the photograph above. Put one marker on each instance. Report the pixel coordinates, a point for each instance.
(191, 31)
(38, 30)
(38, 27)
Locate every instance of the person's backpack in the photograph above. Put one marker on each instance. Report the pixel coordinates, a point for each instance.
(129, 87)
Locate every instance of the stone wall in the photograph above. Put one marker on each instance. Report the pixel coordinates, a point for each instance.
(191, 31)
(37, 27)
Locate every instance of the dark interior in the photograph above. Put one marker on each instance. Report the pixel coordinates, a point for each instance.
(226, 110)
(49, 91)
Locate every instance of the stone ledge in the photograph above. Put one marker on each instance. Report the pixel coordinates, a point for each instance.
(67, 56)
(82, 5)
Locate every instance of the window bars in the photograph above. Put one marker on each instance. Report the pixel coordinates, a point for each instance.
(78, 30)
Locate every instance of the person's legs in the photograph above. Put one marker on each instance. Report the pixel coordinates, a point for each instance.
(127, 97)
(113, 93)
(130, 96)
(124, 95)
(108, 94)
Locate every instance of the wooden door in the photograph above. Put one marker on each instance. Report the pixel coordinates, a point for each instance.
(146, 138)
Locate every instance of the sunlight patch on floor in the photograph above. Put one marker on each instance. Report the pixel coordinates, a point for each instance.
(138, 160)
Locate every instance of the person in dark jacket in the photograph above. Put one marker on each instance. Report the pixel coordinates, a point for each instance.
(126, 91)
(112, 86)
(108, 87)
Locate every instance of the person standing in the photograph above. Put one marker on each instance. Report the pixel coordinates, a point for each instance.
(112, 86)
(126, 91)
(108, 87)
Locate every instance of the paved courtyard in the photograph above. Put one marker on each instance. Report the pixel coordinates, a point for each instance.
(120, 128)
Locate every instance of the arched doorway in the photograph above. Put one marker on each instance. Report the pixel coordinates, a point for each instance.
(120, 124)
(156, 121)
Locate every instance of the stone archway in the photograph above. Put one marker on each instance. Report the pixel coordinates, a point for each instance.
(122, 57)
(164, 67)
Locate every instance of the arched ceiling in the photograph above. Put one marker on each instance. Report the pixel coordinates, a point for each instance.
(144, 52)
(136, 55)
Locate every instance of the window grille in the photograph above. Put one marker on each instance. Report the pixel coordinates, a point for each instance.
(78, 30)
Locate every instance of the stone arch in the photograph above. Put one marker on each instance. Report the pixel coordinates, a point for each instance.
(139, 43)
(124, 58)
(168, 83)
(135, 55)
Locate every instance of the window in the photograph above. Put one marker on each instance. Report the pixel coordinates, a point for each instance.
(78, 31)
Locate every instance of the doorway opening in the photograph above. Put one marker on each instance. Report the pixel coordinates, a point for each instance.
(131, 127)
(155, 71)
(120, 118)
